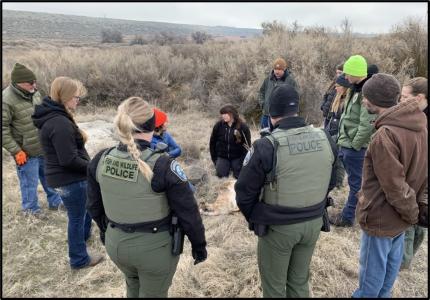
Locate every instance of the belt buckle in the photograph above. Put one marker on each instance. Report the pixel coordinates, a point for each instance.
(129, 229)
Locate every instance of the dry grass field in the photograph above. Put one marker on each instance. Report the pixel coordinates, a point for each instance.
(191, 82)
(35, 260)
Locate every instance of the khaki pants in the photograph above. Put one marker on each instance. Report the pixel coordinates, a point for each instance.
(145, 259)
(284, 256)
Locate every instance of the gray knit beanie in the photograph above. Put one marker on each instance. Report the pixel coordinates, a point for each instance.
(382, 90)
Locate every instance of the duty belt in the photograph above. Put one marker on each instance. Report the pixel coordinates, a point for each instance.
(150, 227)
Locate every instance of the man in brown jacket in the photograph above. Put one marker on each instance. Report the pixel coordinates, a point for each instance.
(393, 185)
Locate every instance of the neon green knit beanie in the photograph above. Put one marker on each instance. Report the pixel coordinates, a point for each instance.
(356, 65)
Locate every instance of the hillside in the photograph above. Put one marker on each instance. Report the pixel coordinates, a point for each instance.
(28, 25)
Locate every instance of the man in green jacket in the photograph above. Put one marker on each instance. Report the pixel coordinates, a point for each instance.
(279, 75)
(20, 138)
(355, 130)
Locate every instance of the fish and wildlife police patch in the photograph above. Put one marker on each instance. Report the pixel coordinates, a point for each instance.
(122, 169)
(177, 169)
(248, 156)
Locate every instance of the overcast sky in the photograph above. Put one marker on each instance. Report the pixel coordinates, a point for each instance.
(365, 17)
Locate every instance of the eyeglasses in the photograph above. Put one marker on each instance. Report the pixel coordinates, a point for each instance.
(31, 82)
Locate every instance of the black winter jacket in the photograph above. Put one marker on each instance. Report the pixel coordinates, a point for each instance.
(179, 196)
(66, 158)
(327, 101)
(223, 142)
(331, 122)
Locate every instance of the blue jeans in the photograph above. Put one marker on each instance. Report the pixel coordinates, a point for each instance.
(353, 163)
(29, 175)
(380, 259)
(79, 224)
(265, 121)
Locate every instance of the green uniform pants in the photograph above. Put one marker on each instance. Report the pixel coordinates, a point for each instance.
(284, 256)
(414, 237)
(145, 259)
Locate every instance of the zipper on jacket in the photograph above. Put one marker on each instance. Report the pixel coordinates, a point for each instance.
(228, 143)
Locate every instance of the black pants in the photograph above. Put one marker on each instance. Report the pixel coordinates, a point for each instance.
(224, 165)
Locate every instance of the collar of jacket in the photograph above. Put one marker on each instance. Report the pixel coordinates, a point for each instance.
(233, 125)
(356, 88)
(141, 145)
(55, 106)
(273, 77)
(22, 93)
(290, 122)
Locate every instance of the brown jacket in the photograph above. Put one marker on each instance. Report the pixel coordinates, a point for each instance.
(395, 172)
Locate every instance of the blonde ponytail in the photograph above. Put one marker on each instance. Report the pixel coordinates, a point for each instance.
(124, 127)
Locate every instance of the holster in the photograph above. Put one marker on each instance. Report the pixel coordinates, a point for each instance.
(259, 229)
(177, 237)
(326, 223)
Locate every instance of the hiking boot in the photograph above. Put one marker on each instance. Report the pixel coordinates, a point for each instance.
(404, 267)
(337, 220)
(339, 186)
(60, 207)
(94, 260)
(39, 214)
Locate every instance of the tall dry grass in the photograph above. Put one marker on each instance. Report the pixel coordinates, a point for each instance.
(191, 82)
(179, 76)
(35, 260)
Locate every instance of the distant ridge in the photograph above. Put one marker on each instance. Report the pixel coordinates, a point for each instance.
(25, 24)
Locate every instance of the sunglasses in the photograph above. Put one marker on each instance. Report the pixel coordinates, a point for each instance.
(31, 82)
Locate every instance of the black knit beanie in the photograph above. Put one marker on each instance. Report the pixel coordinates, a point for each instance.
(283, 100)
(382, 90)
(21, 73)
(371, 70)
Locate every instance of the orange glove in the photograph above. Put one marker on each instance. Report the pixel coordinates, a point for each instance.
(21, 158)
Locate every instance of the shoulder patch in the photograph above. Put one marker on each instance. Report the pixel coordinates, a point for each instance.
(177, 170)
(355, 97)
(248, 156)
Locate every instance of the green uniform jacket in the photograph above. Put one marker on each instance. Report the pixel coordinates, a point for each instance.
(269, 84)
(18, 130)
(355, 127)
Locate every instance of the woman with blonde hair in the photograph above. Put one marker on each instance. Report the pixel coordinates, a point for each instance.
(342, 88)
(66, 164)
(139, 197)
(330, 94)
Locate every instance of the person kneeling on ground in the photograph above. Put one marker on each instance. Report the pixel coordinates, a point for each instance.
(229, 142)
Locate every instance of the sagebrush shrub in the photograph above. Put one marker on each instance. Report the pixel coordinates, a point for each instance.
(212, 74)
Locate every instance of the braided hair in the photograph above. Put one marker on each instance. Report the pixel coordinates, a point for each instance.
(133, 111)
